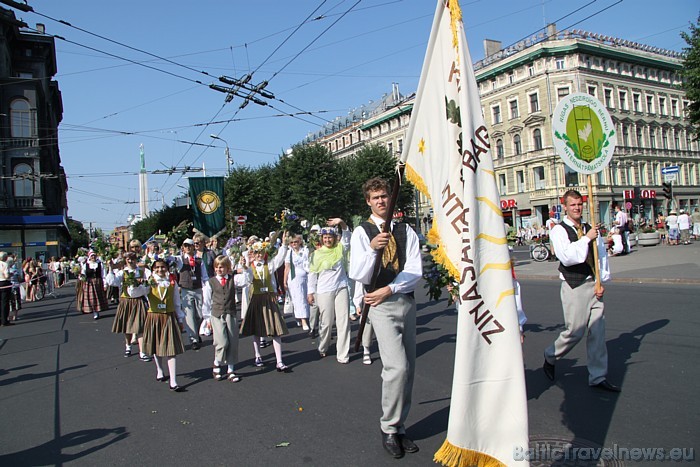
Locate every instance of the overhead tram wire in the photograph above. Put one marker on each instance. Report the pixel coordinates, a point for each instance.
(66, 23)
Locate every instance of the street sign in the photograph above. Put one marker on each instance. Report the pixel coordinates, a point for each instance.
(240, 220)
(628, 205)
(671, 177)
(671, 169)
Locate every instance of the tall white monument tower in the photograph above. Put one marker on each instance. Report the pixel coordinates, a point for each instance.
(143, 186)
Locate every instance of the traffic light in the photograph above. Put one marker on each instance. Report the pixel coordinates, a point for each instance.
(668, 190)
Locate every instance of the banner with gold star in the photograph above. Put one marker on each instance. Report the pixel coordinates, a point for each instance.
(448, 158)
(207, 199)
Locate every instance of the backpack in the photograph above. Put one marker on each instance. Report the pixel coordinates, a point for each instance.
(630, 225)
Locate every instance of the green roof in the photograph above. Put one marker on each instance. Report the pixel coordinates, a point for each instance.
(399, 111)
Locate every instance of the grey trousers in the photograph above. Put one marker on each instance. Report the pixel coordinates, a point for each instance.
(333, 307)
(582, 311)
(394, 324)
(192, 306)
(313, 315)
(224, 330)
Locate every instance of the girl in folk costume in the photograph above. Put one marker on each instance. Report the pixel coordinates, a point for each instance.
(263, 317)
(164, 321)
(295, 279)
(219, 307)
(131, 312)
(93, 294)
(328, 280)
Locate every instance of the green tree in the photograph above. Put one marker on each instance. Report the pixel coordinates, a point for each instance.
(310, 183)
(374, 161)
(79, 236)
(247, 193)
(161, 221)
(691, 75)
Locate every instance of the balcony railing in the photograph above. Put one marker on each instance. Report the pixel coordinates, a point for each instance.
(11, 143)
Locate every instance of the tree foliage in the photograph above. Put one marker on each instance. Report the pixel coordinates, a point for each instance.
(79, 236)
(691, 75)
(161, 221)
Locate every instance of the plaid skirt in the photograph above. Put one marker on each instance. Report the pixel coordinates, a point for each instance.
(263, 317)
(162, 336)
(79, 296)
(93, 296)
(130, 317)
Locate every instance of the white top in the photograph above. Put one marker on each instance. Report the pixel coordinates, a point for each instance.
(620, 219)
(573, 253)
(672, 221)
(332, 279)
(143, 289)
(363, 256)
(684, 221)
(246, 278)
(300, 260)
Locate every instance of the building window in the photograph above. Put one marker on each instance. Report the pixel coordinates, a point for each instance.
(562, 93)
(23, 183)
(502, 188)
(688, 141)
(625, 135)
(652, 138)
(640, 137)
(635, 102)
(514, 109)
(662, 105)
(607, 93)
(655, 173)
(499, 149)
(520, 177)
(560, 64)
(537, 139)
(494, 83)
(664, 139)
(534, 103)
(531, 70)
(538, 174)
(390, 147)
(22, 119)
(592, 91)
(650, 104)
(400, 146)
(570, 176)
(674, 107)
(623, 100)
(676, 140)
(511, 77)
(496, 112)
(517, 145)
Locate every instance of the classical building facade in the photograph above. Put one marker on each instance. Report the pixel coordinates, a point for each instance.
(640, 86)
(520, 88)
(33, 205)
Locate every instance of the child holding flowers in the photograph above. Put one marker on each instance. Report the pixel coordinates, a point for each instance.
(131, 312)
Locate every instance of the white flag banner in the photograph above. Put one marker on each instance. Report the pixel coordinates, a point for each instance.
(448, 158)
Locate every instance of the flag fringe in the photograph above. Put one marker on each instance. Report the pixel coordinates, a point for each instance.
(440, 254)
(417, 180)
(454, 456)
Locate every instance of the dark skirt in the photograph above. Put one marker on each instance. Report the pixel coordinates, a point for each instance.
(263, 317)
(93, 297)
(162, 336)
(79, 296)
(131, 316)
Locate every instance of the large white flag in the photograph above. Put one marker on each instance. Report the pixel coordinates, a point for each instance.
(448, 158)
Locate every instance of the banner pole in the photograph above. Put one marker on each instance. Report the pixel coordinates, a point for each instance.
(594, 223)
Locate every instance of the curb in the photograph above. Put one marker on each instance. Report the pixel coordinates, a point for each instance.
(621, 280)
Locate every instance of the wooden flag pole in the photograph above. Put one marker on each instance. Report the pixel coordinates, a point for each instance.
(594, 224)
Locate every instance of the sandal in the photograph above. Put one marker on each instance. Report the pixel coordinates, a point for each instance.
(217, 373)
(258, 361)
(282, 368)
(233, 377)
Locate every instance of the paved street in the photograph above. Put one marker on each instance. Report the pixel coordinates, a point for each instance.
(69, 396)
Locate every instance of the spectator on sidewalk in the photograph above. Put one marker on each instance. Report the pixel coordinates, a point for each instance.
(673, 232)
(684, 227)
(620, 222)
(695, 218)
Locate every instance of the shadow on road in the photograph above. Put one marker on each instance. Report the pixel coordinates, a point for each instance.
(51, 453)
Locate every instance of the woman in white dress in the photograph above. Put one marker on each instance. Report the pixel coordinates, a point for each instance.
(295, 279)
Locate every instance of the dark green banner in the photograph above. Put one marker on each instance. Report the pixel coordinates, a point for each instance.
(207, 195)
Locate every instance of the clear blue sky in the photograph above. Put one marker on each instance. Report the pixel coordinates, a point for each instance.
(326, 73)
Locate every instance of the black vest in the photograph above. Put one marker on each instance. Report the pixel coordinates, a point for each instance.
(223, 299)
(189, 278)
(576, 275)
(93, 273)
(399, 232)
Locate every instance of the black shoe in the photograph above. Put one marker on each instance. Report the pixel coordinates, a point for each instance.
(392, 444)
(177, 389)
(195, 345)
(408, 445)
(548, 370)
(162, 379)
(605, 385)
(282, 368)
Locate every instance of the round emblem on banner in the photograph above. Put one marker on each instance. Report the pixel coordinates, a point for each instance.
(583, 133)
(208, 202)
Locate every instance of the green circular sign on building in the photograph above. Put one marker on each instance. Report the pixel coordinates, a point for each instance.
(583, 133)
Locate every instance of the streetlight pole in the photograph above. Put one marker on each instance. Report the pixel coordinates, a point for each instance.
(162, 197)
(228, 154)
